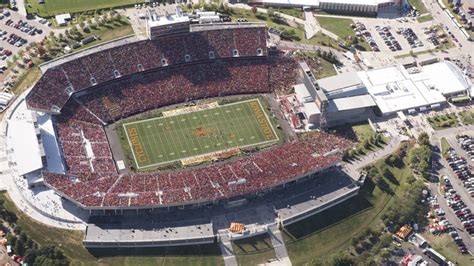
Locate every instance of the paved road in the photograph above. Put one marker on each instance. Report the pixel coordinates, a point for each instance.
(279, 245)
(227, 250)
(451, 217)
(450, 134)
(440, 17)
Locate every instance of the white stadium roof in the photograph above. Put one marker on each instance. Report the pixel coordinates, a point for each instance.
(22, 139)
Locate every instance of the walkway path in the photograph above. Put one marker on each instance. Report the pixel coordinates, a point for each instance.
(353, 167)
(311, 25)
(226, 249)
(279, 245)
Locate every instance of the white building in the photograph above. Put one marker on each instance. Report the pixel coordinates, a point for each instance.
(169, 24)
(397, 88)
(336, 6)
(356, 96)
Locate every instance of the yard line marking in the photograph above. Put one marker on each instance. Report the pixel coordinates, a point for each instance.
(182, 120)
(183, 151)
(222, 133)
(216, 113)
(194, 117)
(171, 153)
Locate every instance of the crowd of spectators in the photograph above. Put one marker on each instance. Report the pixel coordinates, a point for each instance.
(92, 179)
(74, 136)
(153, 90)
(246, 175)
(57, 83)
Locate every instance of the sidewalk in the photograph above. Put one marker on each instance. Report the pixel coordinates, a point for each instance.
(279, 245)
(226, 249)
(353, 167)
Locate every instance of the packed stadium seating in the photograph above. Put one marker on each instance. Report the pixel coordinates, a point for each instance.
(97, 68)
(74, 136)
(176, 85)
(245, 175)
(242, 67)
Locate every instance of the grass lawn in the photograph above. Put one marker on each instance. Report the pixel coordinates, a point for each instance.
(323, 69)
(445, 245)
(70, 242)
(467, 117)
(294, 12)
(443, 121)
(107, 34)
(26, 80)
(342, 28)
(299, 31)
(425, 18)
(339, 26)
(364, 133)
(55, 7)
(163, 140)
(418, 4)
(444, 147)
(254, 251)
(315, 239)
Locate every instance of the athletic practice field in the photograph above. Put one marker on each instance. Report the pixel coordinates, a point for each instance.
(55, 7)
(164, 140)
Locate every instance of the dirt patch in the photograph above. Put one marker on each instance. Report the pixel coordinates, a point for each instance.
(201, 132)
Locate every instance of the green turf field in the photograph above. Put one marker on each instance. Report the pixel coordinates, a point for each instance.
(55, 7)
(163, 140)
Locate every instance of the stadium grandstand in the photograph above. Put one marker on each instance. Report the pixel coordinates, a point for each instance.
(86, 94)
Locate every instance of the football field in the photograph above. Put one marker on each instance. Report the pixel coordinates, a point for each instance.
(55, 7)
(164, 140)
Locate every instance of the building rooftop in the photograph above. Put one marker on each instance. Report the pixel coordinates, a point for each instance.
(348, 103)
(302, 93)
(396, 88)
(341, 81)
(154, 19)
(22, 139)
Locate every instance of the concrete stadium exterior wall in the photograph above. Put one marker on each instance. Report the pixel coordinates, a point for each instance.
(154, 243)
(303, 215)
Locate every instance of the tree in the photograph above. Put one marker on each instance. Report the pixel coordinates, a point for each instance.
(342, 260)
(424, 139)
(355, 41)
(385, 254)
(271, 12)
(254, 9)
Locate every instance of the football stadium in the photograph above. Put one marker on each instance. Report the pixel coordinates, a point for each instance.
(197, 130)
(185, 118)
(186, 128)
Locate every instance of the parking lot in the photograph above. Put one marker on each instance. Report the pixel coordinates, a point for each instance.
(397, 35)
(16, 32)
